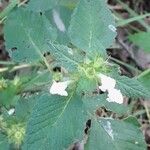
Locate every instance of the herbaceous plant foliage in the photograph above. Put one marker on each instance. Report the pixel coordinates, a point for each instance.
(58, 99)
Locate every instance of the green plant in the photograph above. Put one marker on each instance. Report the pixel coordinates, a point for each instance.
(141, 39)
(64, 79)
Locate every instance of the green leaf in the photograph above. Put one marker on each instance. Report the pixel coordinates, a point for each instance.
(144, 78)
(115, 135)
(91, 24)
(39, 6)
(4, 145)
(60, 18)
(27, 42)
(25, 106)
(131, 87)
(8, 95)
(38, 79)
(86, 86)
(56, 122)
(94, 102)
(65, 56)
(133, 121)
(141, 39)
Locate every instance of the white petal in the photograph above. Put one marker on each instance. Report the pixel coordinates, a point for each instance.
(107, 83)
(11, 111)
(59, 88)
(115, 95)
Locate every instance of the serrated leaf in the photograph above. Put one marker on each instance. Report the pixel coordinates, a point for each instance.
(4, 145)
(25, 106)
(41, 78)
(131, 87)
(91, 26)
(65, 56)
(93, 103)
(141, 39)
(8, 95)
(56, 123)
(28, 39)
(144, 78)
(40, 6)
(117, 135)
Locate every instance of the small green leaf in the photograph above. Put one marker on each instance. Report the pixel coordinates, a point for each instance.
(56, 122)
(141, 39)
(92, 26)
(8, 95)
(27, 42)
(86, 86)
(114, 135)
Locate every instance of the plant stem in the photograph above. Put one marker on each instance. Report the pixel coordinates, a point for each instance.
(123, 22)
(147, 112)
(7, 63)
(134, 14)
(16, 67)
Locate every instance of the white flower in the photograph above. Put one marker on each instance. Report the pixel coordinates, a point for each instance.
(59, 88)
(108, 84)
(115, 95)
(11, 111)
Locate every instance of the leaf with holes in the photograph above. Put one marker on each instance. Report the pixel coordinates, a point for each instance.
(92, 26)
(114, 134)
(65, 56)
(28, 39)
(56, 122)
(94, 102)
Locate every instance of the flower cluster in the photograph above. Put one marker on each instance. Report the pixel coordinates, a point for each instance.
(91, 70)
(16, 133)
